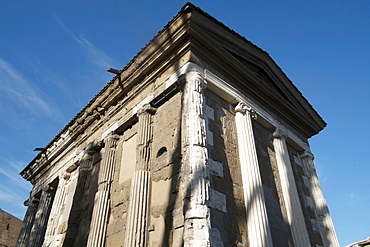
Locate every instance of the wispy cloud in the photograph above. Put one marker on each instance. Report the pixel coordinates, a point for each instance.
(14, 189)
(10, 169)
(46, 74)
(22, 92)
(13, 201)
(97, 56)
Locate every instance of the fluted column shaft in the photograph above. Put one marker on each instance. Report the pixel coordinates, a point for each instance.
(99, 219)
(138, 212)
(197, 213)
(290, 194)
(258, 227)
(326, 225)
(28, 220)
(55, 213)
(40, 224)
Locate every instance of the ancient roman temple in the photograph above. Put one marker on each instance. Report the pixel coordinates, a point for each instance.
(200, 140)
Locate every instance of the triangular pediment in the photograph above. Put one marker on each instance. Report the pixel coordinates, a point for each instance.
(252, 69)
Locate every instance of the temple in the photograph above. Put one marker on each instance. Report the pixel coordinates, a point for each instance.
(200, 140)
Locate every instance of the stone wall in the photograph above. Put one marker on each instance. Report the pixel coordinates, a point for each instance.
(280, 230)
(9, 229)
(166, 211)
(120, 194)
(85, 203)
(228, 220)
(302, 179)
(73, 197)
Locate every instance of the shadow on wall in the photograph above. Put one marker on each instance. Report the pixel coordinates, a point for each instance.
(82, 207)
(167, 239)
(225, 225)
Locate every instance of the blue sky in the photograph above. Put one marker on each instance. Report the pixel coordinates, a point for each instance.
(54, 56)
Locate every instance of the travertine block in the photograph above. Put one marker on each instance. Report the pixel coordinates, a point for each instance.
(128, 160)
(209, 112)
(216, 168)
(161, 191)
(178, 237)
(217, 200)
(157, 231)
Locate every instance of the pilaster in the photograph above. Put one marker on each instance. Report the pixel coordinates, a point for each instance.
(258, 227)
(102, 197)
(326, 225)
(290, 194)
(138, 212)
(29, 218)
(197, 213)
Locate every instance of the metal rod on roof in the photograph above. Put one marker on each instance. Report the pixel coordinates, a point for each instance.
(114, 71)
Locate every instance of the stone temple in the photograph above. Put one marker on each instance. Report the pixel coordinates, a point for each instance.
(200, 140)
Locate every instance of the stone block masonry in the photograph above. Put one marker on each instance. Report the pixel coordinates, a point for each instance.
(200, 140)
(10, 227)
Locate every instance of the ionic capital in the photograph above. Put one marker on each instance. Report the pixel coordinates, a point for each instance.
(280, 133)
(89, 152)
(31, 201)
(197, 79)
(307, 154)
(111, 140)
(245, 109)
(146, 109)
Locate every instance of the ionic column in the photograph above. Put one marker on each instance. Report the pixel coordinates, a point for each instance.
(326, 225)
(138, 212)
(28, 220)
(42, 215)
(197, 213)
(99, 219)
(258, 227)
(290, 194)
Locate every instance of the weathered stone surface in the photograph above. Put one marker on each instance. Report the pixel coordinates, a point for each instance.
(10, 227)
(224, 198)
(177, 179)
(217, 200)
